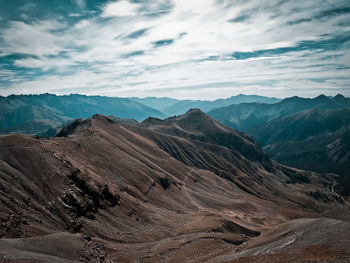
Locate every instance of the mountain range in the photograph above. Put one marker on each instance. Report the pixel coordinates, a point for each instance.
(246, 115)
(312, 139)
(172, 107)
(46, 114)
(32, 114)
(183, 189)
(295, 131)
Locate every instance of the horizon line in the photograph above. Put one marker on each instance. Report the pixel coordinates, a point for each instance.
(142, 97)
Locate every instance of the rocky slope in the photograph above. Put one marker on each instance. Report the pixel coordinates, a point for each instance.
(161, 191)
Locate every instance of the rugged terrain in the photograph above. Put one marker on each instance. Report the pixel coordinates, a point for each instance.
(314, 139)
(244, 116)
(186, 189)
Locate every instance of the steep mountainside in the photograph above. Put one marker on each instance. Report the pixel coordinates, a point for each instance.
(247, 115)
(303, 125)
(313, 139)
(105, 191)
(34, 114)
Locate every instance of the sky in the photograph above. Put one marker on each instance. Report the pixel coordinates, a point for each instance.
(184, 49)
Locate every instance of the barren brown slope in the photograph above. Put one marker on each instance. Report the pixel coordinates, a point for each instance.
(116, 192)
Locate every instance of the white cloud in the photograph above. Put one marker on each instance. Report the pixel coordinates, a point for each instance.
(198, 30)
(43, 63)
(32, 39)
(120, 8)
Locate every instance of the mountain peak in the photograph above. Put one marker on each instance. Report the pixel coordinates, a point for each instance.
(70, 128)
(197, 125)
(195, 111)
(197, 118)
(102, 118)
(322, 97)
(342, 100)
(151, 120)
(291, 99)
(339, 96)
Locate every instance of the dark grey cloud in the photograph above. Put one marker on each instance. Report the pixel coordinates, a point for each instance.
(137, 33)
(326, 44)
(239, 19)
(163, 42)
(325, 14)
(134, 53)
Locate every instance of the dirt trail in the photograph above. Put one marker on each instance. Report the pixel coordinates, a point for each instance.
(199, 207)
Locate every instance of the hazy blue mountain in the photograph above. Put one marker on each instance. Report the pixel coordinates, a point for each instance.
(247, 115)
(173, 107)
(183, 106)
(20, 116)
(33, 114)
(302, 126)
(156, 103)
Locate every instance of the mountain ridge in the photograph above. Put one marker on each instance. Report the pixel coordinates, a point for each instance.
(173, 107)
(137, 193)
(42, 114)
(247, 115)
(313, 139)
(61, 109)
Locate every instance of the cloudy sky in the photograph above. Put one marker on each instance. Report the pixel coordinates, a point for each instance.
(201, 49)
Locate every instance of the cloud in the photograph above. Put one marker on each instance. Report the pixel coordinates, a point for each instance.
(134, 53)
(324, 14)
(33, 39)
(43, 63)
(120, 8)
(81, 3)
(184, 49)
(163, 42)
(137, 33)
(239, 19)
(328, 43)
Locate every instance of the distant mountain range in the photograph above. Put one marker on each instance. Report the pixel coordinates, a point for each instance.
(33, 114)
(312, 134)
(172, 107)
(306, 133)
(246, 115)
(312, 139)
(45, 114)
